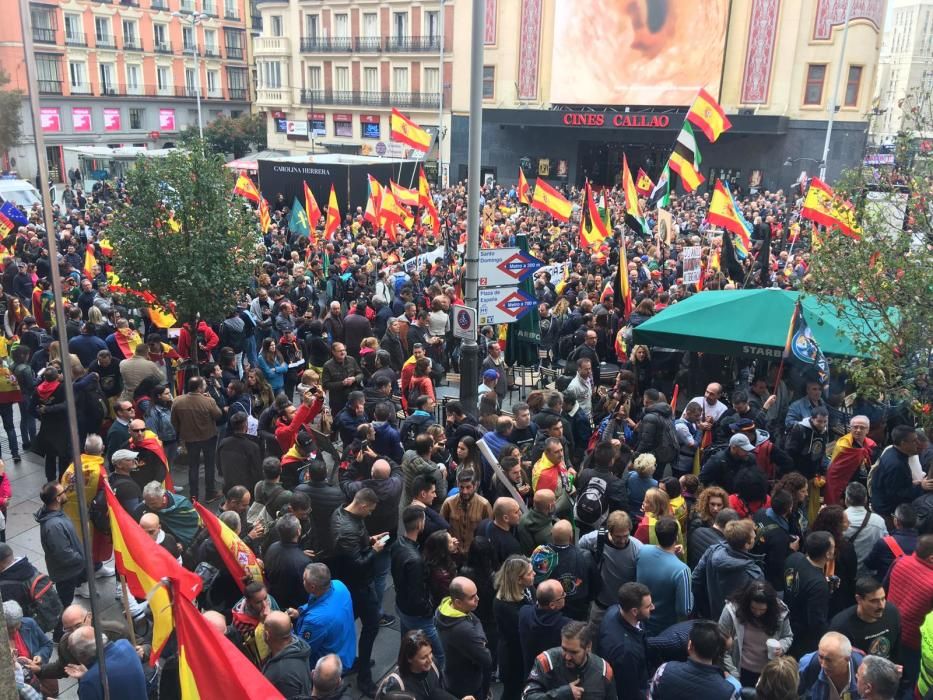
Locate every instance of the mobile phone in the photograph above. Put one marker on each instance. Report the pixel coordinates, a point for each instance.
(383, 539)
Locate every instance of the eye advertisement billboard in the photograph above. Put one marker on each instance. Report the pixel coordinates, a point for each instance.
(637, 52)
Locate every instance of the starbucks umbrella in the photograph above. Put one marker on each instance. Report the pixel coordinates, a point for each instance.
(524, 335)
(747, 323)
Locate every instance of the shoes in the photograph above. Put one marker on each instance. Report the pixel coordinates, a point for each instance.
(105, 571)
(17, 459)
(386, 620)
(83, 591)
(367, 688)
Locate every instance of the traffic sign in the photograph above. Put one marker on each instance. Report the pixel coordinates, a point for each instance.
(464, 322)
(505, 266)
(504, 305)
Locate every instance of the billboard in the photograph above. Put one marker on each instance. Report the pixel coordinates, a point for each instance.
(652, 52)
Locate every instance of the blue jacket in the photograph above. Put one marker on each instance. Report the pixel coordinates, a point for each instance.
(124, 674)
(813, 682)
(387, 442)
(892, 483)
(676, 680)
(35, 639)
(275, 374)
(626, 649)
(326, 625)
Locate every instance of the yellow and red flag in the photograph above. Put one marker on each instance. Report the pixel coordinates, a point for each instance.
(524, 189)
(92, 466)
(105, 248)
(311, 208)
(210, 667)
(373, 202)
(826, 208)
(403, 195)
(161, 316)
(723, 212)
(127, 339)
(643, 183)
(246, 188)
(621, 290)
(265, 219)
(707, 115)
(685, 159)
(425, 201)
(549, 200)
(144, 564)
(90, 260)
(406, 131)
(236, 556)
(592, 228)
(333, 216)
(391, 212)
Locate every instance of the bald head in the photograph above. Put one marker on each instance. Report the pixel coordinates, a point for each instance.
(278, 624)
(544, 501)
(562, 533)
(548, 592)
(138, 424)
(326, 675)
(216, 620)
(75, 615)
(381, 470)
(150, 523)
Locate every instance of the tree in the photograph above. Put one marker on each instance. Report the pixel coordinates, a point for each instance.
(207, 262)
(231, 135)
(884, 281)
(11, 117)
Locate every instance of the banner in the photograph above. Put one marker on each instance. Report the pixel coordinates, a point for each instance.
(429, 258)
(50, 119)
(80, 119)
(112, 119)
(167, 120)
(692, 264)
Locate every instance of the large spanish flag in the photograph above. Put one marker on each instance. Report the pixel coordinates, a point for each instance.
(524, 190)
(426, 201)
(373, 202)
(127, 340)
(592, 228)
(92, 466)
(90, 260)
(391, 212)
(265, 218)
(406, 131)
(333, 216)
(106, 249)
(245, 187)
(549, 200)
(311, 208)
(403, 195)
(144, 564)
(161, 316)
(723, 212)
(826, 208)
(707, 115)
(238, 558)
(210, 667)
(685, 160)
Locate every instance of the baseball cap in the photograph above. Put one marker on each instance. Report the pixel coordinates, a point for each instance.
(120, 455)
(741, 441)
(304, 439)
(490, 374)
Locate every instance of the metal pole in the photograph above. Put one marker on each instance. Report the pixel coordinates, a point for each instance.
(440, 106)
(67, 378)
(469, 361)
(835, 93)
(197, 75)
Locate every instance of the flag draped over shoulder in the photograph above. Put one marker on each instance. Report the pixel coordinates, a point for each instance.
(592, 229)
(144, 564)
(724, 212)
(210, 667)
(406, 131)
(333, 216)
(236, 556)
(707, 115)
(824, 207)
(246, 188)
(549, 200)
(524, 190)
(685, 160)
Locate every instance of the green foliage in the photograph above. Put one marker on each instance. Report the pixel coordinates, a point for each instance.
(888, 274)
(231, 135)
(203, 266)
(11, 118)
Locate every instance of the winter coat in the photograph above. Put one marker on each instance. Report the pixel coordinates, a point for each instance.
(721, 572)
(468, 660)
(409, 575)
(729, 623)
(64, 555)
(389, 492)
(550, 678)
(353, 554)
(534, 528)
(656, 434)
(289, 670)
(538, 630)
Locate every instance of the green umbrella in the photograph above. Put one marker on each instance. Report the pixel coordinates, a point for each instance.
(747, 323)
(524, 335)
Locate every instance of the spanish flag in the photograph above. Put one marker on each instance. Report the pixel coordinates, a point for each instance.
(162, 317)
(265, 219)
(592, 228)
(643, 183)
(127, 340)
(92, 466)
(373, 202)
(210, 667)
(403, 195)
(245, 188)
(524, 190)
(105, 248)
(549, 200)
(391, 212)
(144, 565)
(238, 558)
(707, 115)
(685, 160)
(426, 202)
(6, 226)
(724, 212)
(406, 131)
(826, 208)
(311, 208)
(90, 260)
(333, 216)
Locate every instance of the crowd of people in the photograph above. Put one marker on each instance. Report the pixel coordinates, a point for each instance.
(764, 536)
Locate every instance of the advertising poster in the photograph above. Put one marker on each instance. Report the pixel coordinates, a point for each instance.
(112, 120)
(50, 119)
(167, 120)
(692, 264)
(80, 120)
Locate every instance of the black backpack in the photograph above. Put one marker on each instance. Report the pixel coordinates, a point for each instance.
(592, 504)
(45, 607)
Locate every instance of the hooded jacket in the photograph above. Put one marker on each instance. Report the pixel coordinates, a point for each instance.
(289, 670)
(387, 442)
(63, 550)
(468, 660)
(538, 630)
(14, 581)
(729, 623)
(534, 528)
(656, 433)
(722, 570)
(807, 449)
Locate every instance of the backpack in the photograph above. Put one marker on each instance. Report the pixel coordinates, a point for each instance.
(565, 347)
(592, 504)
(99, 513)
(232, 337)
(668, 447)
(258, 513)
(44, 606)
(336, 288)
(898, 555)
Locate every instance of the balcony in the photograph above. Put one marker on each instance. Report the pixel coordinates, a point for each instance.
(235, 53)
(43, 35)
(274, 97)
(75, 40)
(211, 52)
(163, 48)
(186, 91)
(215, 94)
(159, 5)
(50, 87)
(371, 44)
(130, 3)
(354, 98)
(106, 41)
(132, 45)
(190, 50)
(238, 93)
(209, 8)
(231, 14)
(109, 90)
(80, 88)
(271, 46)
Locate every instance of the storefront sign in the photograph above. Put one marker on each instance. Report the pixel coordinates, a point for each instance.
(617, 121)
(297, 129)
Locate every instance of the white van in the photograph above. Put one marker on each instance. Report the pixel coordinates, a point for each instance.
(20, 192)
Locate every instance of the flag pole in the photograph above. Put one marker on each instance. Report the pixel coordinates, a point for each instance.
(67, 375)
(790, 337)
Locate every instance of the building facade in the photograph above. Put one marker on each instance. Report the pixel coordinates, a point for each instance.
(568, 87)
(329, 74)
(124, 72)
(905, 71)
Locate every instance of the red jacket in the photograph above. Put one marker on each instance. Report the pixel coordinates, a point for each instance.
(911, 591)
(211, 341)
(287, 433)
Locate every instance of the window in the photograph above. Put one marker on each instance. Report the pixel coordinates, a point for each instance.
(133, 86)
(213, 82)
(191, 82)
(400, 80)
(852, 86)
(341, 25)
(187, 5)
(209, 7)
(432, 85)
(400, 25)
(43, 25)
(103, 33)
(314, 78)
(370, 24)
(813, 93)
(137, 118)
(160, 37)
(130, 34)
(276, 27)
(343, 128)
(230, 9)
(431, 25)
(108, 85)
(489, 82)
(233, 41)
(163, 78)
(210, 42)
(77, 74)
(49, 70)
(342, 79)
(271, 74)
(187, 38)
(312, 26)
(74, 34)
(371, 79)
(237, 85)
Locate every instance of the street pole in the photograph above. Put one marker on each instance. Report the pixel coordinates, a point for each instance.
(469, 358)
(440, 106)
(197, 80)
(834, 96)
(67, 378)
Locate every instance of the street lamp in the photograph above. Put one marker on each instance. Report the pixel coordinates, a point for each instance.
(194, 20)
(793, 161)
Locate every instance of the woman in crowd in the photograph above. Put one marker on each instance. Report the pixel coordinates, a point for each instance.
(272, 365)
(640, 480)
(513, 590)
(438, 554)
(417, 676)
(797, 485)
(263, 396)
(467, 457)
(656, 505)
(843, 568)
(640, 366)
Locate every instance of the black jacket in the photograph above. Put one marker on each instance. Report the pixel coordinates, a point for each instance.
(239, 461)
(676, 680)
(807, 595)
(285, 563)
(656, 434)
(721, 468)
(699, 540)
(325, 499)
(392, 344)
(772, 541)
(14, 582)
(289, 670)
(626, 649)
(409, 575)
(538, 630)
(468, 660)
(385, 517)
(616, 488)
(352, 554)
(550, 678)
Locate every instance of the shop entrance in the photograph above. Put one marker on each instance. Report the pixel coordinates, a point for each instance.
(601, 162)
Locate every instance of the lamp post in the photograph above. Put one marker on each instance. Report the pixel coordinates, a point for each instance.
(194, 20)
(834, 96)
(440, 107)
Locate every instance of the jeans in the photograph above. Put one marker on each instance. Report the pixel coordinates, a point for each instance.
(195, 450)
(27, 424)
(9, 425)
(366, 608)
(426, 625)
(382, 563)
